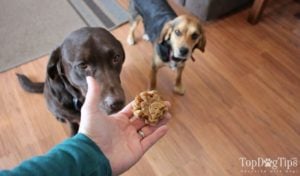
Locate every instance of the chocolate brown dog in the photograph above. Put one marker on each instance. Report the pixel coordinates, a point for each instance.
(86, 52)
(174, 38)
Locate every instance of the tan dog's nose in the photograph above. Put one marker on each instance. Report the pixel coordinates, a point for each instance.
(183, 51)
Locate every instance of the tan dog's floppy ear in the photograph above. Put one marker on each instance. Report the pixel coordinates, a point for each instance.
(166, 32)
(202, 42)
(52, 70)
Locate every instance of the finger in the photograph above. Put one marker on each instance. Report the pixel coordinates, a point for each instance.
(167, 116)
(127, 110)
(168, 104)
(149, 129)
(138, 123)
(93, 94)
(148, 141)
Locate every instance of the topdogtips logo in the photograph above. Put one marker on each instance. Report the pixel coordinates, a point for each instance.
(269, 165)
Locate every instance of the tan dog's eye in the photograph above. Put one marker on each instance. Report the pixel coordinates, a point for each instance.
(195, 36)
(82, 65)
(117, 59)
(177, 32)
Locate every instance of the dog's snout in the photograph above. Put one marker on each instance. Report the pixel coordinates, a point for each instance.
(183, 51)
(117, 105)
(114, 104)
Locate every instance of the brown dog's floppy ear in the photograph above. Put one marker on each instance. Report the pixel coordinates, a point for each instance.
(52, 71)
(166, 32)
(202, 42)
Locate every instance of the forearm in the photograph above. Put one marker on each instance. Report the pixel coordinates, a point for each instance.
(75, 156)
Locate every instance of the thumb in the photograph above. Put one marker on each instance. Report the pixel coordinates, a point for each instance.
(92, 98)
(90, 107)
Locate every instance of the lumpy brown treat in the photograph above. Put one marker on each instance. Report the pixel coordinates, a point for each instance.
(149, 105)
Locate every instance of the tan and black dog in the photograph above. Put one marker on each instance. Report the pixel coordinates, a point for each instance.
(174, 38)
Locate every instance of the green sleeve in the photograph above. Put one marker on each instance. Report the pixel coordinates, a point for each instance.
(78, 155)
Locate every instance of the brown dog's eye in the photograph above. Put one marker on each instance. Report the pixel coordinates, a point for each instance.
(177, 32)
(116, 59)
(195, 36)
(82, 66)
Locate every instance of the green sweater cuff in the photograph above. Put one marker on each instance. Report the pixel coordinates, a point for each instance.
(87, 155)
(75, 156)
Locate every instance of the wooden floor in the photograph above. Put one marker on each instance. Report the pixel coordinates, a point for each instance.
(242, 100)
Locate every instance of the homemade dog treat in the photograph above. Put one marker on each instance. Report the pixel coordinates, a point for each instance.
(149, 105)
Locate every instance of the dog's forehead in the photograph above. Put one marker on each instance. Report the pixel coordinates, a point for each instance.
(91, 37)
(189, 24)
(81, 43)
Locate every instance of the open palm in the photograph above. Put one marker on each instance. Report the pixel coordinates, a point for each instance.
(117, 135)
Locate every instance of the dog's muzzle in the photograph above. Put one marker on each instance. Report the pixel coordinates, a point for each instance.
(176, 59)
(113, 104)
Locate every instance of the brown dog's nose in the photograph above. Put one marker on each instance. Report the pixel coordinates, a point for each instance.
(113, 104)
(117, 105)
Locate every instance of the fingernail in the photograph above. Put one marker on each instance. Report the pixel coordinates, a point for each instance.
(88, 79)
(167, 103)
(168, 115)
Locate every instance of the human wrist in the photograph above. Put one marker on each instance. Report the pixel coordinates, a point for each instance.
(94, 157)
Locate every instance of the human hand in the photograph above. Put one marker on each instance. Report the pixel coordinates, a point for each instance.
(117, 135)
